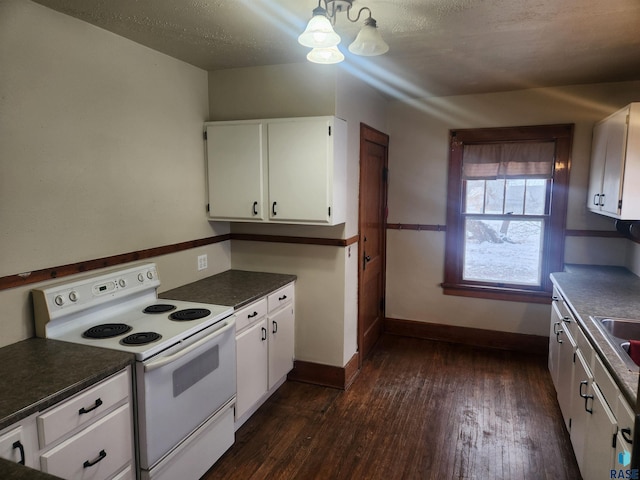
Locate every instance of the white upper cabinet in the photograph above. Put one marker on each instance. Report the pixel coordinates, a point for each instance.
(290, 170)
(614, 182)
(236, 158)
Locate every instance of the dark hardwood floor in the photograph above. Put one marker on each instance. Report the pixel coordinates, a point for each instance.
(418, 410)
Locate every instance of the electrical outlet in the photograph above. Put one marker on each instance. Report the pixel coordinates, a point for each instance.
(202, 262)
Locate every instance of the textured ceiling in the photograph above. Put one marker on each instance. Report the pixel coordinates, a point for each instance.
(437, 47)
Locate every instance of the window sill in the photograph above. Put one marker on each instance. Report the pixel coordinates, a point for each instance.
(495, 293)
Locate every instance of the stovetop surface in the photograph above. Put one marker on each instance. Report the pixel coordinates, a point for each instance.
(171, 331)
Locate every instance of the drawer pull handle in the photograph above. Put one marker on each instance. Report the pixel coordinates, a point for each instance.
(97, 403)
(101, 456)
(282, 298)
(19, 446)
(626, 434)
(585, 396)
(255, 208)
(251, 315)
(275, 327)
(264, 334)
(273, 209)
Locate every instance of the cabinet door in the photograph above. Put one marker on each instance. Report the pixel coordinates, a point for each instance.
(566, 374)
(614, 163)
(281, 344)
(601, 429)
(236, 166)
(13, 446)
(582, 380)
(252, 356)
(596, 171)
(625, 418)
(554, 344)
(300, 170)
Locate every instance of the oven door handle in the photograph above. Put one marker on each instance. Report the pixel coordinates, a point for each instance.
(230, 323)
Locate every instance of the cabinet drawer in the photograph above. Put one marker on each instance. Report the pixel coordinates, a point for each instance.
(584, 346)
(97, 452)
(83, 408)
(281, 297)
(563, 308)
(606, 384)
(250, 314)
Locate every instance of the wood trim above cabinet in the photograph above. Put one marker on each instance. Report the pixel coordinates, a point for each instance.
(45, 274)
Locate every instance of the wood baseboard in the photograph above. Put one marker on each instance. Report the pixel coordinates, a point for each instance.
(531, 344)
(326, 375)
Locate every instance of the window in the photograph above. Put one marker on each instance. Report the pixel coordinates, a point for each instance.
(506, 211)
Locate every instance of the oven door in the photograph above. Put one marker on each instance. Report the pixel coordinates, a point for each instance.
(181, 388)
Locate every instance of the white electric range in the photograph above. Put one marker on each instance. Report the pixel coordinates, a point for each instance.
(185, 369)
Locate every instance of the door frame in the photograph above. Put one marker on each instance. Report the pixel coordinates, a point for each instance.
(371, 135)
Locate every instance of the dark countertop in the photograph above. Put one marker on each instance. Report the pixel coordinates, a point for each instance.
(234, 288)
(603, 291)
(38, 373)
(13, 471)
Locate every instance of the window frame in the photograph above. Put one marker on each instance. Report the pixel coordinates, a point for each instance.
(554, 236)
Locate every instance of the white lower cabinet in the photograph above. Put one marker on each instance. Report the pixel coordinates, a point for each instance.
(19, 443)
(601, 432)
(598, 418)
(252, 356)
(265, 343)
(88, 436)
(98, 451)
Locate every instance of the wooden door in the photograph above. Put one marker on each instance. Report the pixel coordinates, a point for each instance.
(372, 236)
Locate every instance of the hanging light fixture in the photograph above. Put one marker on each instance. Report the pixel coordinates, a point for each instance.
(322, 38)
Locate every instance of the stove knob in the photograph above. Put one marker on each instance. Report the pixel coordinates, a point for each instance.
(73, 296)
(59, 300)
(150, 274)
(140, 278)
(122, 282)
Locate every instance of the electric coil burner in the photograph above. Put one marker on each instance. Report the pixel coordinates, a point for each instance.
(190, 314)
(107, 330)
(159, 308)
(140, 338)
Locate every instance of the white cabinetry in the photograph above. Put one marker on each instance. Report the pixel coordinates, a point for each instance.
(19, 443)
(615, 165)
(264, 349)
(289, 170)
(594, 411)
(89, 435)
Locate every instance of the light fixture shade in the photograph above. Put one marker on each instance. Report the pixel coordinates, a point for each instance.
(369, 42)
(325, 55)
(319, 32)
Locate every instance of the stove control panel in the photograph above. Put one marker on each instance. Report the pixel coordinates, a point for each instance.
(63, 299)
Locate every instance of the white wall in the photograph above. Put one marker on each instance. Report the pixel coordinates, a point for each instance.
(417, 194)
(101, 153)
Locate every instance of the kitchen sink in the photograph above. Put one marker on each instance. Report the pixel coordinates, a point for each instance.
(618, 332)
